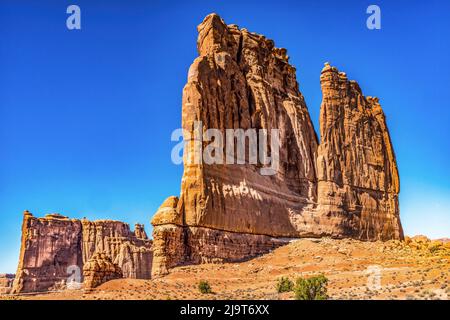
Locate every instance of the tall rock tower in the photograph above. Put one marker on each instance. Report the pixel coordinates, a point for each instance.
(345, 187)
(358, 180)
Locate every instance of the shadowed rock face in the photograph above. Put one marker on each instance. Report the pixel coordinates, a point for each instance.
(55, 246)
(345, 187)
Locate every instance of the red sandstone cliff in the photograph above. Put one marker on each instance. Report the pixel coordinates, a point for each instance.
(55, 246)
(345, 187)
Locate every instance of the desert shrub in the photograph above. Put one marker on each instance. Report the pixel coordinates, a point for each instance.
(284, 285)
(204, 287)
(435, 247)
(314, 288)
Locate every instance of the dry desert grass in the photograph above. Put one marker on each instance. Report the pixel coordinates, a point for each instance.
(408, 270)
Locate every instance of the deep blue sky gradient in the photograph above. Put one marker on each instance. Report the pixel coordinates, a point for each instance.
(86, 116)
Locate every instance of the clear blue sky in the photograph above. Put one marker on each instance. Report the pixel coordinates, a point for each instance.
(86, 116)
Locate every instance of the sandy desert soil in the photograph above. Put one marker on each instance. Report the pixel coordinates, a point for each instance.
(352, 267)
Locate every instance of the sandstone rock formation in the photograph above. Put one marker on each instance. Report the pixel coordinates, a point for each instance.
(358, 182)
(55, 247)
(130, 250)
(418, 245)
(174, 244)
(345, 187)
(49, 246)
(100, 269)
(6, 282)
(241, 81)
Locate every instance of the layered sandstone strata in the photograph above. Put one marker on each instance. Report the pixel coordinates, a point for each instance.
(358, 181)
(241, 81)
(175, 243)
(49, 246)
(130, 250)
(100, 269)
(345, 187)
(6, 282)
(55, 249)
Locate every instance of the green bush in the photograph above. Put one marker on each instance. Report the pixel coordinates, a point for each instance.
(284, 285)
(204, 287)
(314, 288)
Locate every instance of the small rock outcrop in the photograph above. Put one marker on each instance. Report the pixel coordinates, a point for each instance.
(55, 248)
(6, 282)
(100, 269)
(345, 186)
(419, 245)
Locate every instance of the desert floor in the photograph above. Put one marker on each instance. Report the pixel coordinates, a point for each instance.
(356, 270)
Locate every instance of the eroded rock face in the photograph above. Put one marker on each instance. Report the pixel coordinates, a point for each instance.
(100, 269)
(345, 187)
(168, 237)
(135, 260)
(175, 243)
(130, 250)
(358, 181)
(49, 246)
(55, 247)
(6, 283)
(241, 81)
